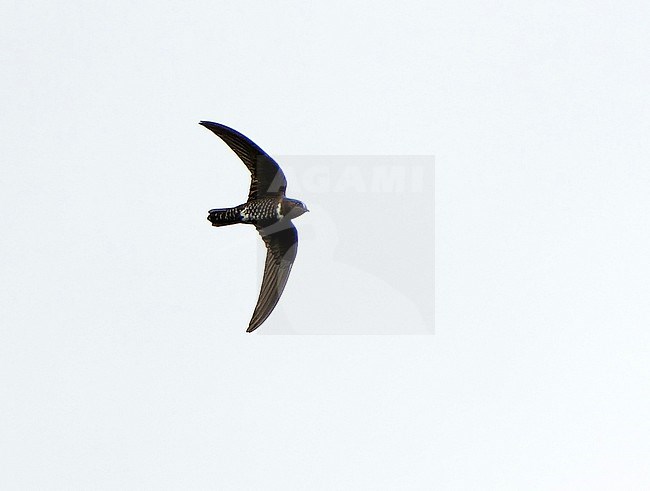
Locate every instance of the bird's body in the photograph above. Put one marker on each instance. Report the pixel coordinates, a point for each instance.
(253, 212)
(269, 210)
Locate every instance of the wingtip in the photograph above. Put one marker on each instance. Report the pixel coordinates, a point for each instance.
(209, 124)
(254, 324)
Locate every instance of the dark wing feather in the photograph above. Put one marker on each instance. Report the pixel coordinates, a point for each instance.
(281, 239)
(267, 179)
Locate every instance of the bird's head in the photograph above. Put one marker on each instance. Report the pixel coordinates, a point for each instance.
(292, 208)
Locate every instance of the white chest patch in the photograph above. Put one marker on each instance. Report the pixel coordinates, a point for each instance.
(279, 210)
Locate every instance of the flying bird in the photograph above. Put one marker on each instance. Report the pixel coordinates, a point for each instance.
(269, 210)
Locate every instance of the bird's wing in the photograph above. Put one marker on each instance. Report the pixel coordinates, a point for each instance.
(281, 239)
(267, 179)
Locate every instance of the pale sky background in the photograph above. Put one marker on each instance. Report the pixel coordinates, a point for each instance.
(114, 372)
